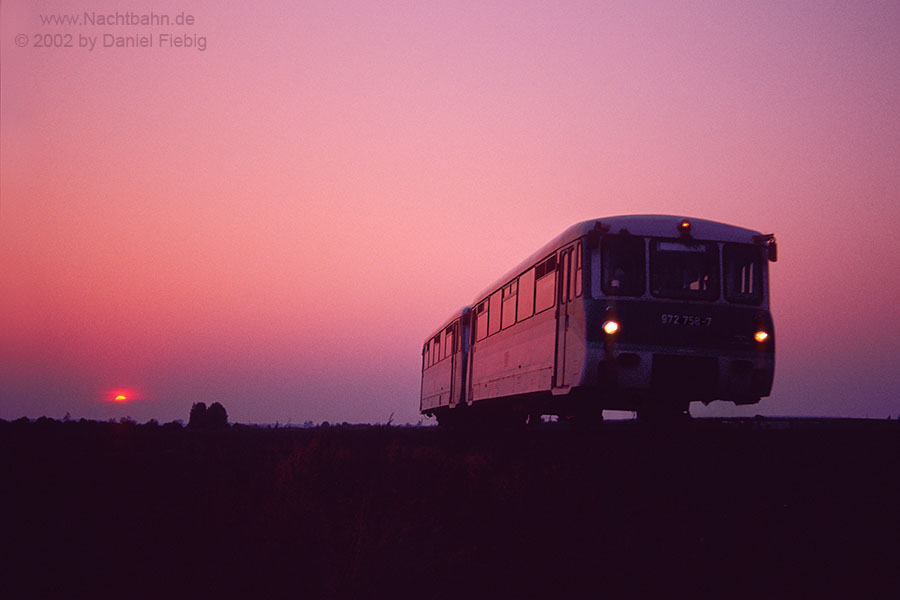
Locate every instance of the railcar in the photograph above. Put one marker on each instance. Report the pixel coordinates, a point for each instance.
(644, 313)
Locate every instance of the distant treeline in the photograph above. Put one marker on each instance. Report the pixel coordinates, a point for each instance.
(758, 508)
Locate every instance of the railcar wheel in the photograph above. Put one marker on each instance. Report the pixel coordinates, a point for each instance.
(662, 411)
(584, 418)
(452, 418)
(503, 419)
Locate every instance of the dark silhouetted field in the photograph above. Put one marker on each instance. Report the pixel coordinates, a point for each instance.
(756, 508)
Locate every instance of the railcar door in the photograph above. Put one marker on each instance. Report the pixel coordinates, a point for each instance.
(465, 362)
(450, 349)
(563, 296)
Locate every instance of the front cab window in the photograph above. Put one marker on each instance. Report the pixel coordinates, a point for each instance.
(743, 273)
(622, 265)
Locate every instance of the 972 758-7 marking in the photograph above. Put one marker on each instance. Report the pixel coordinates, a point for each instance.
(685, 320)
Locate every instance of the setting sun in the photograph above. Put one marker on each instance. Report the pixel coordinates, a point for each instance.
(122, 395)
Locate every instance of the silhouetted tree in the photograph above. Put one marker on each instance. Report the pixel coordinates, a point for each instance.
(198, 416)
(216, 417)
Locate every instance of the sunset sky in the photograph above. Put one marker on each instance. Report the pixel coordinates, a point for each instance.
(276, 222)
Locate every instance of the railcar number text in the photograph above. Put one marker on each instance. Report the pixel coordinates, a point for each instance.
(686, 320)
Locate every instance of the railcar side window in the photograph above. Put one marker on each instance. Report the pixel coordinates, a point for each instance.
(436, 349)
(743, 273)
(526, 295)
(426, 355)
(565, 273)
(509, 303)
(622, 265)
(481, 321)
(578, 270)
(680, 270)
(545, 287)
(449, 339)
(494, 318)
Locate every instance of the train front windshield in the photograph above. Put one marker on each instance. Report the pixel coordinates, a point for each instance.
(682, 270)
(687, 271)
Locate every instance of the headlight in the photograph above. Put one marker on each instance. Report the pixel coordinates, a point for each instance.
(610, 327)
(760, 336)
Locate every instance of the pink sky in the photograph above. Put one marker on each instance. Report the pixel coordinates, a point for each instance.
(277, 222)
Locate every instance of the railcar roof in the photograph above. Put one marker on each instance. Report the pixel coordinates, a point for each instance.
(640, 225)
(449, 320)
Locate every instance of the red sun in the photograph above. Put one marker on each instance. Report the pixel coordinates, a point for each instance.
(122, 395)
